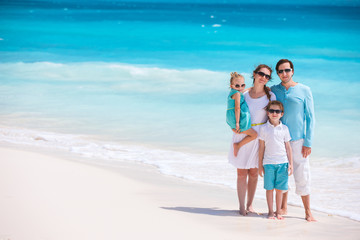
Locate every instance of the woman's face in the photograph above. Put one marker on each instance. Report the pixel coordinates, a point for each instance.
(262, 76)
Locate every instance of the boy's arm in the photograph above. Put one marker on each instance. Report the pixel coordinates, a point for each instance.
(289, 156)
(261, 156)
(237, 98)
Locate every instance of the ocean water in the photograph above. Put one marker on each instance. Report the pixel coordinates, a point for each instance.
(147, 81)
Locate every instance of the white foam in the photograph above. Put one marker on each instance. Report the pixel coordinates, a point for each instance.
(120, 76)
(328, 186)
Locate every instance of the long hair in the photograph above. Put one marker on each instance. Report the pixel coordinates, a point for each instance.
(266, 89)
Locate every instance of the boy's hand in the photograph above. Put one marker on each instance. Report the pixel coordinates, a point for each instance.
(290, 170)
(261, 171)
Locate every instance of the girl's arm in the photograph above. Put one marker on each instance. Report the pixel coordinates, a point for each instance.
(289, 156)
(237, 97)
(261, 156)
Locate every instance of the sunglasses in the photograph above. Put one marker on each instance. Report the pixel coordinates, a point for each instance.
(261, 74)
(275, 111)
(242, 85)
(287, 70)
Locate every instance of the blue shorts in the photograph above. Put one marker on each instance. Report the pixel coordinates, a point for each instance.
(276, 176)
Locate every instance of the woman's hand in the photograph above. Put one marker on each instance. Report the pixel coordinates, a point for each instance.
(238, 130)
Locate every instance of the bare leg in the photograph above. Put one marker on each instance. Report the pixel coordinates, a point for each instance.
(308, 215)
(279, 196)
(270, 202)
(252, 183)
(241, 188)
(251, 135)
(283, 210)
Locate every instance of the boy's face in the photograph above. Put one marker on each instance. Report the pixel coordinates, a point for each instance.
(274, 113)
(238, 84)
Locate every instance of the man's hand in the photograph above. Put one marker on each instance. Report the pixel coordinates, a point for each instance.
(306, 151)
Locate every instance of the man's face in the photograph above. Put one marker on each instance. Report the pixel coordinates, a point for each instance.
(285, 72)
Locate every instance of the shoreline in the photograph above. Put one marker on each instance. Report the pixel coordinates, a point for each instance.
(93, 151)
(55, 197)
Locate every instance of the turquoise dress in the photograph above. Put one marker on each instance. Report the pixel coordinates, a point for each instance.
(245, 120)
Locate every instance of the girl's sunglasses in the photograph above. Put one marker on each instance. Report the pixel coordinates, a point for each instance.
(287, 70)
(261, 74)
(237, 85)
(275, 111)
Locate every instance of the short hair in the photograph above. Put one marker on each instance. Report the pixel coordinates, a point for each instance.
(281, 61)
(275, 102)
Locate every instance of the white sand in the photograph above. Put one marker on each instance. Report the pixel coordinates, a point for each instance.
(46, 197)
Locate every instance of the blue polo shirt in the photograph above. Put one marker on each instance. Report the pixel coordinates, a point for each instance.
(299, 113)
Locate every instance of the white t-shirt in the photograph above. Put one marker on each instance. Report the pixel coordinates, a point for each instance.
(274, 138)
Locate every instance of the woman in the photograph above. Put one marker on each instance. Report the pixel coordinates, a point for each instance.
(247, 158)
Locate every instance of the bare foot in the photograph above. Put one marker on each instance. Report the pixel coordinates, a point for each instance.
(283, 211)
(271, 215)
(279, 217)
(243, 212)
(236, 148)
(251, 210)
(310, 218)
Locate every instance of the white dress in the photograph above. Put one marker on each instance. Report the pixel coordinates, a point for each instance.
(248, 155)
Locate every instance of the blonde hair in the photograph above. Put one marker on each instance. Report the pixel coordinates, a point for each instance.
(235, 75)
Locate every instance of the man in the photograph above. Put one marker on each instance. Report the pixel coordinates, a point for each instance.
(300, 119)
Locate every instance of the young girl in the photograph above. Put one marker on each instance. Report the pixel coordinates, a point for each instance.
(275, 157)
(237, 114)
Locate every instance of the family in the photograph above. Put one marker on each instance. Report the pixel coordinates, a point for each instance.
(273, 131)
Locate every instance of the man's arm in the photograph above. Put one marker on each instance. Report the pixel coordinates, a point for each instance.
(310, 123)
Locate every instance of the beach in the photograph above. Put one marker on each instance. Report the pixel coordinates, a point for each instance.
(112, 116)
(50, 196)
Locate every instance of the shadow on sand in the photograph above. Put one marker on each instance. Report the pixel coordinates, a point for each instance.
(214, 211)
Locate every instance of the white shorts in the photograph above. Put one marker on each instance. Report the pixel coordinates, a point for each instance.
(301, 168)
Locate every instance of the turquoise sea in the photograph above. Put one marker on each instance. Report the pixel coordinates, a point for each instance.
(147, 81)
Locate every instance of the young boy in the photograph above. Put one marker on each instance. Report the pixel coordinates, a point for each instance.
(275, 157)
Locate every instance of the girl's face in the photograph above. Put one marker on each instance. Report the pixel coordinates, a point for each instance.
(262, 76)
(238, 84)
(274, 113)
